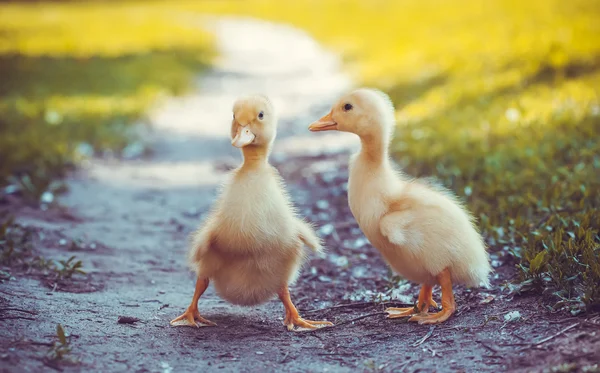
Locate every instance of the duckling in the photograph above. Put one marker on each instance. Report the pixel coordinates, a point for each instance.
(251, 245)
(422, 230)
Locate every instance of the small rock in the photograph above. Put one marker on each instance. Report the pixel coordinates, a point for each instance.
(340, 261)
(326, 229)
(359, 272)
(322, 204)
(323, 216)
(62, 242)
(512, 316)
(10, 189)
(47, 197)
(127, 320)
(360, 242)
(324, 279)
(487, 300)
(260, 353)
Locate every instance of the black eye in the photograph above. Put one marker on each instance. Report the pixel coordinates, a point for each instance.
(347, 107)
(261, 115)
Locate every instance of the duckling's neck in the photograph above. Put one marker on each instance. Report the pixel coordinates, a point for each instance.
(374, 150)
(255, 156)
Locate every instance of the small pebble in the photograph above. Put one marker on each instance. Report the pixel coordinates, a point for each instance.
(127, 320)
(512, 316)
(47, 197)
(322, 204)
(326, 229)
(324, 279)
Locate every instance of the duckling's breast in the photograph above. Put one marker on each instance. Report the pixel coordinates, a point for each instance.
(254, 279)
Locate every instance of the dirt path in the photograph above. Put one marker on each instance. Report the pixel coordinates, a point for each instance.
(135, 216)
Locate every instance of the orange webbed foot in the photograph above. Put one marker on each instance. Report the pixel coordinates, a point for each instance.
(422, 307)
(189, 318)
(293, 321)
(299, 324)
(191, 314)
(395, 312)
(448, 304)
(433, 318)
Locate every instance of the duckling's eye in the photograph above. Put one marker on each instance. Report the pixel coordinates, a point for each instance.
(261, 115)
(347, 107)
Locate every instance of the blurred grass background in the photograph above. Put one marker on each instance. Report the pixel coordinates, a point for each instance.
(497, 99)
(76, 75)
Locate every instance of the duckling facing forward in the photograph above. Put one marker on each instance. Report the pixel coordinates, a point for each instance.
(251, 245)
(421, 230)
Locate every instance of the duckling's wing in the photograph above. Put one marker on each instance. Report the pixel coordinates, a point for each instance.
(394, 226)
(201, 241)
(307, 235)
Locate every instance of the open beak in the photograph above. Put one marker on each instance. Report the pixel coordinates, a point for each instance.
(324, 124)
(243, 137)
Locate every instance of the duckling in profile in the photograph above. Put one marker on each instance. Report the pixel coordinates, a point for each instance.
(421, 230)
(252, 245)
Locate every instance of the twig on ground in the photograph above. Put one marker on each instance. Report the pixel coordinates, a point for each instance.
(484, 344)
(360, 318)
(18, 310)
(593, 321)
(356, 305)
(335, 354)
(426, 337)
(555, 335)
(347, 305)
(347, 322)
(400, 367)
(17, 317)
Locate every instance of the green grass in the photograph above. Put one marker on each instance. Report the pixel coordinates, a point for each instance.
(76, 75)
(500, 100)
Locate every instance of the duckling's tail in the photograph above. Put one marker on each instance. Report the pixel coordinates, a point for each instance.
(308, 236)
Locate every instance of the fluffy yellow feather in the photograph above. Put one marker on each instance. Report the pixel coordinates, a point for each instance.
(251, 245)
(421, 229)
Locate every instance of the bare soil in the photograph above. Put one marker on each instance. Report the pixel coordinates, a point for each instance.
(132, 218)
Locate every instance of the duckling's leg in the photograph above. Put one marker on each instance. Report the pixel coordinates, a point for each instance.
(292, 319)
(423, 303)
(448, 304)
(191, 315)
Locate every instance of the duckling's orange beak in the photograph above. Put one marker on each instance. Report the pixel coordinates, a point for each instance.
(243, 137)
(324, 124)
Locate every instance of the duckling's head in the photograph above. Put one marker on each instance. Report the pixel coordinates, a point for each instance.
(254, 122)
(366, 112)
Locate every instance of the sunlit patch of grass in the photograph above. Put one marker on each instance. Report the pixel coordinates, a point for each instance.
(80, 73)
(499, 99)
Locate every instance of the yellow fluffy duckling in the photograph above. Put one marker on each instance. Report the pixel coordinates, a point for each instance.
(251, 245)
(421, 230)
